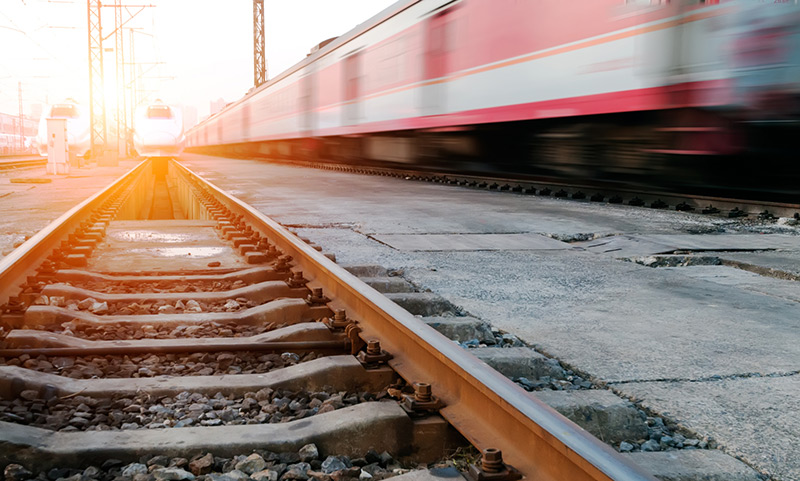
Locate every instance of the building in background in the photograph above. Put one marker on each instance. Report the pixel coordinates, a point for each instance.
(10, 141)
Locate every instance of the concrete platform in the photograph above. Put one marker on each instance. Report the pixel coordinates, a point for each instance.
(622, 323)
(753, 418)
(142, 245)
(27, 208)
(470, 242)
(698, 465)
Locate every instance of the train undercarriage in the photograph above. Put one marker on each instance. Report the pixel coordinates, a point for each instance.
(693, 152)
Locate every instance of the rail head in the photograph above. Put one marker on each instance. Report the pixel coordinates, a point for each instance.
(486, 407)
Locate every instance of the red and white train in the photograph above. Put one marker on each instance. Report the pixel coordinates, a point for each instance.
(605, 88)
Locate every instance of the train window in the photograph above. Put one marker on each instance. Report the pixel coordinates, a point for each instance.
(159, 112)
(64, 112)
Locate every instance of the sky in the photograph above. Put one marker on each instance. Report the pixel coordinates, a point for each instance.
(189, 52)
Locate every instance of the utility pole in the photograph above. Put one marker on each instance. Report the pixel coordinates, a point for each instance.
(96, 92)
(133, 87)
(122, 116)
(21, 119)
(259, 54)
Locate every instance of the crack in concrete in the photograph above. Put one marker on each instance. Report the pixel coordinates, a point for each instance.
(715, 377)
(333, 225)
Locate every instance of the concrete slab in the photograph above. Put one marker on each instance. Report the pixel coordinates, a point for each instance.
(694, 465)
(650, 244)
(421, 303)
(388, 284)
(778, 262)
(462, 328)
(145, 243)
(260, 293)
(618, 320)
(435, 474)
(351, 431)
(744, 280)
(33, 338)
(470, 242)
(753, 418)
(340, 372)
(370, 270)
(514, 362)
(280, 311)
(600, 412)
(252, 275)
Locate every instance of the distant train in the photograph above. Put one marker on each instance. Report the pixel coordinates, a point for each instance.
(78, 128)
(158, 130)
(691, 91)
(12, 144)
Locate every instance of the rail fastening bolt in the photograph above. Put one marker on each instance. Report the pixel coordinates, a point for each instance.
(492, 460)
(340, 315)
(422, 392)
(373, 347)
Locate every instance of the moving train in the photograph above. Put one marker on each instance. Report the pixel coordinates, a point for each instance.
(671, 93)
(158, 130)
(12, 144)
(78, 128)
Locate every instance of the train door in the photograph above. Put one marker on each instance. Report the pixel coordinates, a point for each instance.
(438, 45)
(352, 89)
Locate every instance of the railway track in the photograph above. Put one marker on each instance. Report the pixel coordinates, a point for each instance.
(18, 162)
(587, 192)
(163, 321)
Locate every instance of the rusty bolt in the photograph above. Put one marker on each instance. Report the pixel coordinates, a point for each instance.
(316, 292)
(340, 315)
(492, 460)
(422, 392)
(297, 276)
(15, 305)
(374, 347)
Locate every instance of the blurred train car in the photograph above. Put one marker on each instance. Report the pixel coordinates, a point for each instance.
(158, 130)
(78, 128)
(639, 91)
(13, 140)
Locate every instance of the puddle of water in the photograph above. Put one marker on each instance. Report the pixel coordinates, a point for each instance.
(196, 252)
(149, 235)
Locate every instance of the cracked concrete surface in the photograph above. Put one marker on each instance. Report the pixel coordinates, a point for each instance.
(28, 208)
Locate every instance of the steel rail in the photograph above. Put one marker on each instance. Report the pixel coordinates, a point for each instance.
(486, 407)
(22, 262)
(8, 164)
